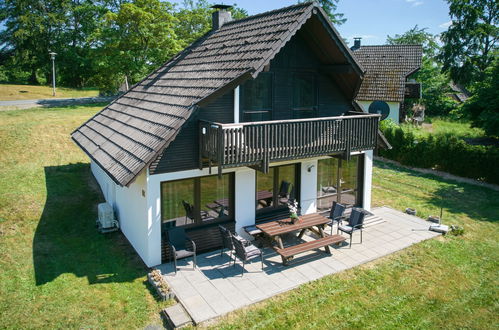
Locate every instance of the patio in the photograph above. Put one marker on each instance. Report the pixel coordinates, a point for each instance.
(216, 288)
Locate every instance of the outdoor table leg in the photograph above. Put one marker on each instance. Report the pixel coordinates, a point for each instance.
(321, 231)
(281, 246)
(302, 232)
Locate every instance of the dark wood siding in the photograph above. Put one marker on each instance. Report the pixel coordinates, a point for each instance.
(183, 152)
(298, 57)
(295, 57)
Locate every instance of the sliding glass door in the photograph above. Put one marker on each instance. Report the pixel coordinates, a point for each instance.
(338, 180)
(276, 188)
(197, 201)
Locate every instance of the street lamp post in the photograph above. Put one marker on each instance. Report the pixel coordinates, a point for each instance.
(52, 57)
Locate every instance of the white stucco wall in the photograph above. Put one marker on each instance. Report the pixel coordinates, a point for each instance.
(131, 212)
(368, 179)
(245, 192)
(394, 109)
(107, 186)
(129, 207)
(308, 186)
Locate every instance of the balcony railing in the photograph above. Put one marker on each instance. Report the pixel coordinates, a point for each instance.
(259, 143)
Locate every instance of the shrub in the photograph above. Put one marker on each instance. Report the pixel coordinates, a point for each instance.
(444, 152)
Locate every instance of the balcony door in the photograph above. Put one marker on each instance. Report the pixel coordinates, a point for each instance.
(338, 180)
(275, 188)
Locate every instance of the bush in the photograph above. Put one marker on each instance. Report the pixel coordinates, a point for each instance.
(444, 152)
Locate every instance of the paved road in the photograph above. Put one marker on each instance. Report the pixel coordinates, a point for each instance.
(56, 102)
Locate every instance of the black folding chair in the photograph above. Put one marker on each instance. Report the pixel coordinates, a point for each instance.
(355, 223)
(177, 240)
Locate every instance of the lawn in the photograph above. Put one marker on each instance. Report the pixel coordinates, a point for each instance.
(30, 92)
(450, 282)
(436, 125)
(58, 272)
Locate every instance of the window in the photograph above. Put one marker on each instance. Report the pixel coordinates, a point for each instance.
(304, 95)
(256, 98)
(197, 201)
(276, 188)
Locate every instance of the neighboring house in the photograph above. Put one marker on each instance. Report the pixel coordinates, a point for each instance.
(385, 83)
(256, 112)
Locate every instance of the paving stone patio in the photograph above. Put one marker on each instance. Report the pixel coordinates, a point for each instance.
(216, 287)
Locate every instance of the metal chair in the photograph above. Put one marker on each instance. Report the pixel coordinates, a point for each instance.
(355, 223)
(337, 215)
(245, 251)
(177, 240)
(226, 240)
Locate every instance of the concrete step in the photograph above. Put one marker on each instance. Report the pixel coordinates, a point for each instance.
(373, 220)
(176, 316)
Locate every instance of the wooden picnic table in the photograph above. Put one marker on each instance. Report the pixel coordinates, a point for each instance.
(275, 229)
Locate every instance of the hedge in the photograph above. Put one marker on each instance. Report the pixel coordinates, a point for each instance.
(443, 152)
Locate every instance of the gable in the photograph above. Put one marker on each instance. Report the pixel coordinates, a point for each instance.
(132, 131)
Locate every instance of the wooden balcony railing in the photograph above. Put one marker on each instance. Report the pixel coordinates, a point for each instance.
(259, 143)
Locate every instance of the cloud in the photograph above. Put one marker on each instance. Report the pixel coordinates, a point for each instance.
(414, 3)
(445, 25)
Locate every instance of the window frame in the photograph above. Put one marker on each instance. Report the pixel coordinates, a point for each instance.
(244, 111)
(275, 188)
(198, 221)
(298, 109)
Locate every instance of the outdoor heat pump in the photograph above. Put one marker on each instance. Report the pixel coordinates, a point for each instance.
(106, 221)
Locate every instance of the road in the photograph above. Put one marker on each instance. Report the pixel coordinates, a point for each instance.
(56, 102)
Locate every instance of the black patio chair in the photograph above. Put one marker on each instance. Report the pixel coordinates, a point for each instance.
(189, 212)
(177, 239)
(337, 215)
(355, 223)
(226, 240)
(284, 191)
(245, 251)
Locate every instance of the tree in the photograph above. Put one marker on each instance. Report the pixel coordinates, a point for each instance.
(32, 28)
(330, 7)
(470, 43)
(133, 41)
(194, 20)
(435, 84)
(483, 107)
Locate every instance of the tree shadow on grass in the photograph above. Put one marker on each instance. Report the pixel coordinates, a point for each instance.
(66, 239)
(477, 202)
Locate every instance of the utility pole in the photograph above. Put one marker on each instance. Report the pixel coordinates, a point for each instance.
(52, 57)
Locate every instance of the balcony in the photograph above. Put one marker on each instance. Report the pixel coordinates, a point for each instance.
(257, 144)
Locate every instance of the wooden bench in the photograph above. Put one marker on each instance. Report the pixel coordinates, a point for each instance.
(291, 251)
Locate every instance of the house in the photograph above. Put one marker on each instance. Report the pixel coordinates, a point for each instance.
(256, 112)
(386, 82)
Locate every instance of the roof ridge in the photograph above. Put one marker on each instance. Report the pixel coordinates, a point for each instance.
(365, 46)
(303, 4)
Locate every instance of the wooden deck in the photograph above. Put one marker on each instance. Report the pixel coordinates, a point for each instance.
(259, 143)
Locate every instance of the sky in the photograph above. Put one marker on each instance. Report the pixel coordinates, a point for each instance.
(372, 20)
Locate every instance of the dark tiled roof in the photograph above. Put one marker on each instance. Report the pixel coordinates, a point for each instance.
(130, 132)
(387, 67)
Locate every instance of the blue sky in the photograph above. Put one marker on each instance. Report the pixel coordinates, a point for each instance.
(372, 20)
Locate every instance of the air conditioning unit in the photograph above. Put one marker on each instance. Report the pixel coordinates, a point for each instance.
(106, 221)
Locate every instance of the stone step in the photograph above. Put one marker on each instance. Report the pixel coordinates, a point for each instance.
(373, 220)
(176, 316)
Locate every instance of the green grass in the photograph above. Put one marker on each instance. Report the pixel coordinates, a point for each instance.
(459, 128)
(30, 92)
(56, 271)
(450, 282)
